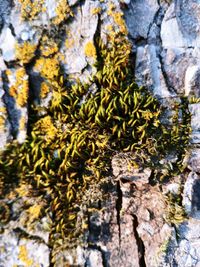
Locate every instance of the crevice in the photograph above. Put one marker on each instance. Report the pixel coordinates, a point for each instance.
(118, 208)
(12, 29)
(139, 242)
(154, 19)
(6, 100)
(152, 178)
(22, 233)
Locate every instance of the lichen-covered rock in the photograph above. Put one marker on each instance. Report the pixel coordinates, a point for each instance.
(43, 43)
(16, 250)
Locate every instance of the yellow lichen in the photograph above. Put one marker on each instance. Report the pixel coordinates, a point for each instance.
(46, 127)
(62, 11)
(31, 9)
(8, 72)
(2, 123)
(23, 256)
(3, 110)
(48, 67)
(69, 43)
(19, 90)
(90, 50)
(22, 190)
(96, 10)
(22, 123)
(48, 47)
(34, 212)
(118, 18)
(25, 52)
(44, 90)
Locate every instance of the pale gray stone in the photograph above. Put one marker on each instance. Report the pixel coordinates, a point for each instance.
(191, 198)
(139, 17)
(195, 122)
(148, 71)
(7, 44)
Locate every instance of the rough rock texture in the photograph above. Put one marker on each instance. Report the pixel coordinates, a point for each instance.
(131, 230)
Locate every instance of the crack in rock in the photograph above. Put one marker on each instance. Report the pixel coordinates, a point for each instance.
(139, 242)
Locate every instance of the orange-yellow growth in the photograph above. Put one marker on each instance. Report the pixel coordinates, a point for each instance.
(25, 52)
(90, 50)
(20, 89)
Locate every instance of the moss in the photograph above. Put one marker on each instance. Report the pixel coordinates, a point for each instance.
(19, 90)
(90, 50)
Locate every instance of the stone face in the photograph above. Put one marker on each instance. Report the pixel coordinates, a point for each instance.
(7, 44)
(191, 199)
(149, 70)
(19, 251)
(194, 159)
(140, 16)
(195, 123)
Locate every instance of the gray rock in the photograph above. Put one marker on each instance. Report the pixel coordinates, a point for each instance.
(185, 250)
(194, 159)
(21, 251)
(195, 122)
(140, 16)
(149, 70)
(74, 47)
(7, 44)
(191, 199)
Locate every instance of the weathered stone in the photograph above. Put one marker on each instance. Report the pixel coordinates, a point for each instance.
(124, 169)
(149, 70)
(194, 159)
(140, 16)
(21, 251)
(192, 81)
(7, 44)
(185, 250)
(191, 199)
(195, 122)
